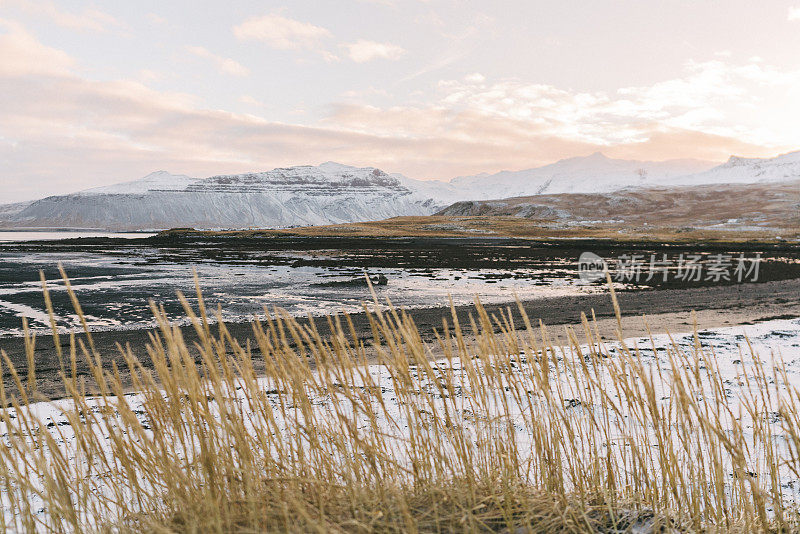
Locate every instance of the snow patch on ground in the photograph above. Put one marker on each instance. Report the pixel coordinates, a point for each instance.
(770, 340)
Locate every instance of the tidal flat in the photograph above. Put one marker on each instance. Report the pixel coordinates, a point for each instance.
(312, 277)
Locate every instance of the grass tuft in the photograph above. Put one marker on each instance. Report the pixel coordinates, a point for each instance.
(500, 431)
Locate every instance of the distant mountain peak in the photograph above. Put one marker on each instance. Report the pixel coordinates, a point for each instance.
(332, 192)
(155, 181)
(735, 161)
(594, 158)
(333, 165)
(329, 193)
(786, 158)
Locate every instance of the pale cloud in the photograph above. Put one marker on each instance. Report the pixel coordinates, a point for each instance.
(281, 32)
(362, 51)
(329, 57)
(149, 75)
(363, 93)
(794, 13)
(156, 19)
(22, 54)
(88, 19)
(284, 33)
(251, 101)
(223, 64)
(386, 3)
(712, 97)
(68, 132)
(708, 113)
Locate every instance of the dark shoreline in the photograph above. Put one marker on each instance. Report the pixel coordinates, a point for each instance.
(776, 294)
(344, 242)
(420, 253)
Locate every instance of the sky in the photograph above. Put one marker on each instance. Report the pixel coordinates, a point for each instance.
(95, 93)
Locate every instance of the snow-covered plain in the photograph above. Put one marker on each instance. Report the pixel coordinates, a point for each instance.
(776, 340)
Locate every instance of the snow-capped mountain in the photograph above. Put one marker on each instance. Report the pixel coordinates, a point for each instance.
(304, 195)
(739, 170)
(600, 174)
(10, 210)
(336, 193)
(155, 181)
(589, 174)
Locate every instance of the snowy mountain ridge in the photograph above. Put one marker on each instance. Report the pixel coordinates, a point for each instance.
(293, 196)
(155, 181)
(333, 193)
(589, 174)
(738, 170)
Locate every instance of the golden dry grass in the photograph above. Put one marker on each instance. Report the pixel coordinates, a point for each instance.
(508, 433)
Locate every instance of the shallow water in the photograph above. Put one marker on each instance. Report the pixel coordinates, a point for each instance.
(25, 235)
(114, 287)
(115, 279)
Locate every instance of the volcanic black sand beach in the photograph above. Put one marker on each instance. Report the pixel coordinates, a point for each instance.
(667, 305)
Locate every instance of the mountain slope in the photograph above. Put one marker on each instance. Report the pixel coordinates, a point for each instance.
(590, 174)
(155, 181)
(332, 193)
(10, 210)
(739, 170)
(741, 206)
(305, 195)
(600, 174)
